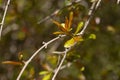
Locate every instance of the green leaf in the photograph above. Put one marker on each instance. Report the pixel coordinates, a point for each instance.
(82, 69)
(92, 36)
(79, 27)
(72, 41)
(43, 72)
(69, 43)
(47, 77)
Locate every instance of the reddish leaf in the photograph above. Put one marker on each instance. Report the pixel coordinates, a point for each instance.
(12, 62)
(70, 19)
(60, 26)
(66, 23)
(58, 33)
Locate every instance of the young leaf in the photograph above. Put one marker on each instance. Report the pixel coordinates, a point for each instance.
(79, 27)
(70, 19)
(57, 23)
(43, 72)
(61, 26)
(12, 62)
(78, 38)
(69, 43)
(58, 32)
(66, 23)
(47, 77)
(92, 36)
(72, 41)
(20, 56)
(82, 69)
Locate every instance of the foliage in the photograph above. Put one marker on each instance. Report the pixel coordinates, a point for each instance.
(22, 36)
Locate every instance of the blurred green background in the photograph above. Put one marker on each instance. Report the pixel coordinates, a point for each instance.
(22, 34)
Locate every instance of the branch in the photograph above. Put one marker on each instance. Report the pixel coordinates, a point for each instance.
(90, 14)
(57, 11)
(34, 54)
(48, 17)
(66, 65)
(59, 67)
(118, 1)
(3, 19)
(92, 9)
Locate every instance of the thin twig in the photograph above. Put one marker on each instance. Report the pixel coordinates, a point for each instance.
(50, 16)
(46, 44)
(94, 7)
(90, 13)
(34, 54)
(59, 67)
(57, 11)
(3, 19)
(98, 3)
(65, 66)
(88, 20)
(118, 1)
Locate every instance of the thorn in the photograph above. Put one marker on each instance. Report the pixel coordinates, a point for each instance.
(43, 42)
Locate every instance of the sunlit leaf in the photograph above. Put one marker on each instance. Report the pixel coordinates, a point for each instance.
(65, 27)
(43, 72)
(61, 26)
(82, 69)
(58, 32)
(72, 41)
(47, 77)
(69, 43)
(20, 56)
(66, 23)
(92, 36)
(12, 62)
(57, 23)
(70, 19)
(79, 27)
(78, 38)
